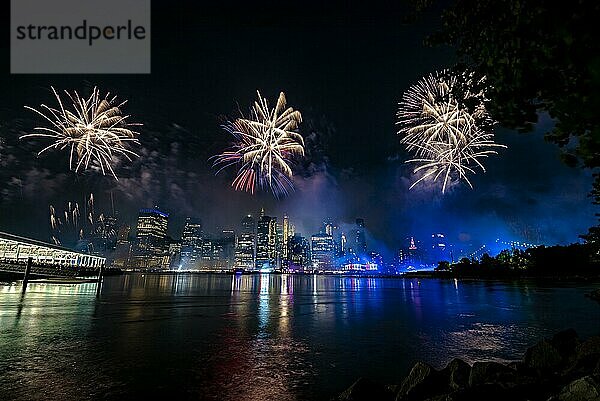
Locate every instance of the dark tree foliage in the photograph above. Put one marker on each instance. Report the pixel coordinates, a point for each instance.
(593, 235)
(555, 261)
(539, 56)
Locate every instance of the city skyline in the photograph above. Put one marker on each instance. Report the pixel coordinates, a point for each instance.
(353, 164)
(260, 242)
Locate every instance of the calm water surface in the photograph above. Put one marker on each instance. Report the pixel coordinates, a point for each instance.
(260, 337)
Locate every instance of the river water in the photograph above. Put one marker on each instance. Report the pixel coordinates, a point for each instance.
(261, 337)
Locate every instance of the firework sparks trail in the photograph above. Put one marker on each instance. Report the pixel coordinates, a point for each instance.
(445, 125)
(264, 147)
(95, 131)
(66, 226)
(453, 160)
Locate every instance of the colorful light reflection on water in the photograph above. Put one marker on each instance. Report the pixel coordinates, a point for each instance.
(256, 337)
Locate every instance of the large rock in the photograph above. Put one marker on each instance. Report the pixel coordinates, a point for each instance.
(443, 397)
(591, 346)
(587, 355)
(565, 343)
(584, 389)
(520, 368)
(492, 372)
(457, 372)
(366, 390)
(422, 382)
(542, 357)
(483, 392)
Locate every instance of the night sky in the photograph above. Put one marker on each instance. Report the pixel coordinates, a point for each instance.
(345, 67)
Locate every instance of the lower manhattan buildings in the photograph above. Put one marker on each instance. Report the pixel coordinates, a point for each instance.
(264, 243)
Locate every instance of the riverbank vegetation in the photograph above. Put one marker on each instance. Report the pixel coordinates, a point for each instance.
(571, 260)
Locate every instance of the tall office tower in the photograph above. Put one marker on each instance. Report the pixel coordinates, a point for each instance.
(275, 234)
(286, 238)
(262, 240)
(151, 237)
(299, 255)
(218, 252)
(244, 252)
(328, 227)
(266, 242)
(402, 256)
(191, 243)
(207, 253)
(123, 248)
(412, 246)
(339, 240)
(322, 252)
(292, 230)
(360, 240)
(248, 224)
(225, 247)
(246, 246)
(152, 230)
(414, 253)
(277, 245)
(174, 260)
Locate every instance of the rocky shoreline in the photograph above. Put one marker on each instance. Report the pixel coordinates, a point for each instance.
(563, 368)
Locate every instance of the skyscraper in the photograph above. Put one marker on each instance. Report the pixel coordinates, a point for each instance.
(414, 252)
(151, 237)
(224, 250)
(191, 243)
(286, 238)
(275, 243)
(174, 261)
(266, 242)
(245, 247)
(217, 252)
(123, 247)
(322, 251)
(207, 253)
(299, 254)
(152, 230)
(248, 224)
